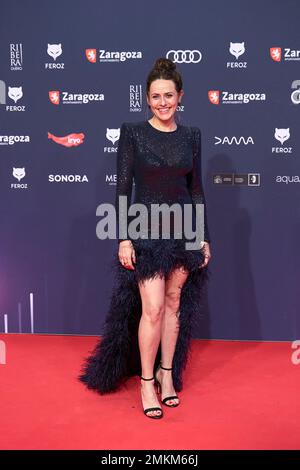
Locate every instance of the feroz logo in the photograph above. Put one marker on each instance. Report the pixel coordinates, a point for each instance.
(15, 93)
(282, 135)
(113, 135)
(19, 173)
(91, 55)
(214, 96)
(71, 140)
(275, 53)
(54, 50)
(237, 49)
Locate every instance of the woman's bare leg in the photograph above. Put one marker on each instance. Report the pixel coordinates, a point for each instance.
(170, 330)
(152, 295)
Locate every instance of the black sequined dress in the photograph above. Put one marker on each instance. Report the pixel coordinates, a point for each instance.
(166, 168)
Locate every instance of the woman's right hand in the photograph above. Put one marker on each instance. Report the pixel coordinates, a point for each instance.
(127, 254)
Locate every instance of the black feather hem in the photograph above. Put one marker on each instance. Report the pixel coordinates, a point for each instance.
(116, 355)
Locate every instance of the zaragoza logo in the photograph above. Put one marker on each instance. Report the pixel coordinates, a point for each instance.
(214, 96)
(54, 97)
(225, 97)
(275, 53)
(91, 55)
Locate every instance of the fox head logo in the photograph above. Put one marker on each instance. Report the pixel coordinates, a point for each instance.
(15, 93)
(91, 55)
(237, 49)
(113, 135)
(275, 53)
(54, 97)
(282, 134)
(19, 173)
(214, 96)
(54, 50)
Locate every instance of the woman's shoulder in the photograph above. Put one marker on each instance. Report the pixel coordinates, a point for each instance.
(133, 129)
(142, 125)
(134, 125)
(195, 130)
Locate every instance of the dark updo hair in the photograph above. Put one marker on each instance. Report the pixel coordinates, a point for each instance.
(164, 69)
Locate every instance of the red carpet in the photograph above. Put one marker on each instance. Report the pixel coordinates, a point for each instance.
(237, 395)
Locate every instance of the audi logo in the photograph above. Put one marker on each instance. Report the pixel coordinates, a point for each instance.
(187, 57)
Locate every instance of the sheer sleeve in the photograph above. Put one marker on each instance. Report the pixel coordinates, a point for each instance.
(194, 179)
(125, 160)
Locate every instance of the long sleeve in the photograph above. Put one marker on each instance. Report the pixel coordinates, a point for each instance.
(194, 179)
(125, 161)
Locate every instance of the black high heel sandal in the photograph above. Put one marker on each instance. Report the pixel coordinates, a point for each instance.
(158, 385)
(154, 408)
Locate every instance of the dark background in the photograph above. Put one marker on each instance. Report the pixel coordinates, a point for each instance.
(48, 243)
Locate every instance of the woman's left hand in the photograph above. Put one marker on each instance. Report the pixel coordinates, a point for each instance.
(206, 253)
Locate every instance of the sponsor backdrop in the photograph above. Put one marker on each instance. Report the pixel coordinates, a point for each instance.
(71, 73)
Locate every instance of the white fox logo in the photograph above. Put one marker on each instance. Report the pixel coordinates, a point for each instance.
(282, 134)
(237, 49)
(54, 50)
(113, 135)
(19, 173)
(15, 93)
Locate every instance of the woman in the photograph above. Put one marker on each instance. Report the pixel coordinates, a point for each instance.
(156, 300)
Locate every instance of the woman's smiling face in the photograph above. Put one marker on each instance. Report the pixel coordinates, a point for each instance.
(163, 99)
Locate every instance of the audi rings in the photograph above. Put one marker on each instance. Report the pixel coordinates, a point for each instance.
(186, 57)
